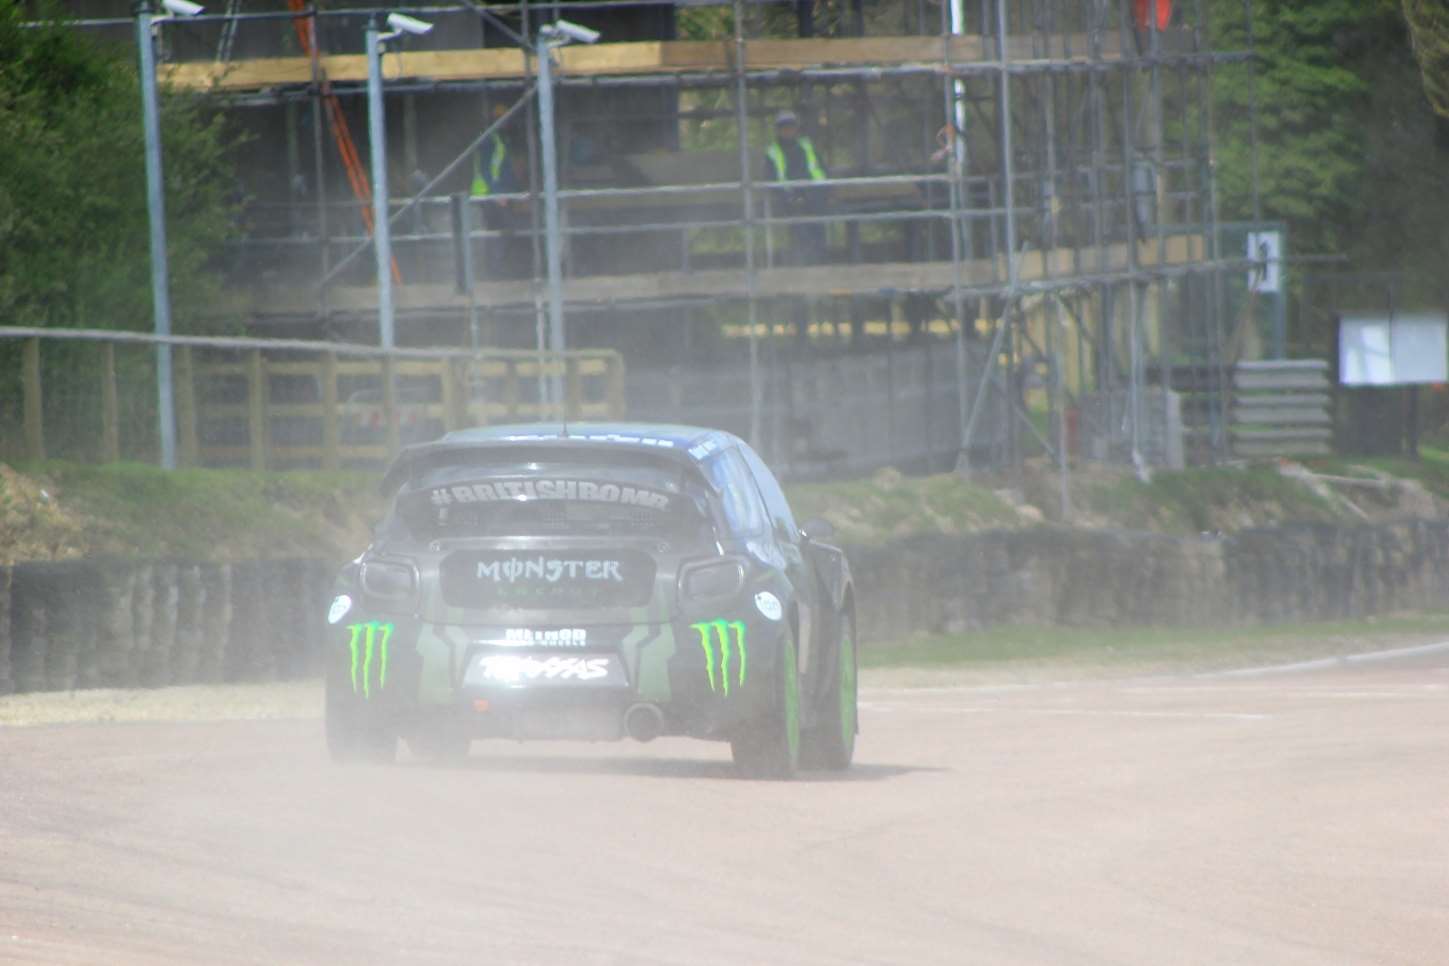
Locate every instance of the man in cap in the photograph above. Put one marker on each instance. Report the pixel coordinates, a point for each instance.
(792, 157)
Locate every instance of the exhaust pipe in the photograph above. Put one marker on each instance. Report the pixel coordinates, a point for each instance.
(644, 722)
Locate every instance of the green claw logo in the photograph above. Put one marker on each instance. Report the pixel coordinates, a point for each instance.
(712, 632)
(368, 640)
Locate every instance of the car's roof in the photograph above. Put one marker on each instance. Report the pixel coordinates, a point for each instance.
(683, 443)
(654, 435)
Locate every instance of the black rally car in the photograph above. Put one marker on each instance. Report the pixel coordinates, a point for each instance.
(593, 581)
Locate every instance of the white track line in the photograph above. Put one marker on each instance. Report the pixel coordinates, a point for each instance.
(1296, 667)
(1328, 663)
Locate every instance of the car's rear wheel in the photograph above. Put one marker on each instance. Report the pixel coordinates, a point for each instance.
(831, 743)
(352, 734)
(770, 747)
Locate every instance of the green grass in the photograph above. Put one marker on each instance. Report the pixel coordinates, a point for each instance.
(1192, 501)
(1430, 469)
(889, 505)
(1166, 646)
(138, 509)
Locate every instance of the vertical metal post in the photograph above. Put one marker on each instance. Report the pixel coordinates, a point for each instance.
(742, 126)
(1008, 164)
(958, 27)
(955, 93)
(156, 211)
(319, 170)
(1008, 171)
(1136, 294)
(553, 243)
(382, 231)
(540, 322)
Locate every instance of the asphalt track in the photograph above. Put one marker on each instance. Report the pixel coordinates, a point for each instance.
(1282, 819)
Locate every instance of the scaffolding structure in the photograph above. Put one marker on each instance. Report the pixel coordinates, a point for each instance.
(1023, 188)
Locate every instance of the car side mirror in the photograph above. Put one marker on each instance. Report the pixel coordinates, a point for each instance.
(817, 529)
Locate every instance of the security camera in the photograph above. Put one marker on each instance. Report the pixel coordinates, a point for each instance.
(399, 22)
(572, 31)
(182, 8)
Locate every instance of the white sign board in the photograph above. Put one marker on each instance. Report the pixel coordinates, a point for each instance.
(1265, 249)
(1398, 350)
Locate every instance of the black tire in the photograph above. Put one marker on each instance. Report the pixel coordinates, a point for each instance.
(353, 735)
(831, 743)
(770, 748)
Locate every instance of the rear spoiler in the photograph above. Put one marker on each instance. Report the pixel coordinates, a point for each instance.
(423, 456)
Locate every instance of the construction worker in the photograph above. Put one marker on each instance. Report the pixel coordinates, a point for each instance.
(492, 168)
(493, 175)
(792, 157)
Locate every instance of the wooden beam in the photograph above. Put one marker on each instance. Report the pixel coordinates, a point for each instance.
(331, 437)
(644, 57)
(187, 449)
(110, 406)
(32, 400)
(257, 409)
(815, 280)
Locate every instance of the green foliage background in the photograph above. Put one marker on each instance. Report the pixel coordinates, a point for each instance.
(1429, 27)
(1350, 151)
(74, 244)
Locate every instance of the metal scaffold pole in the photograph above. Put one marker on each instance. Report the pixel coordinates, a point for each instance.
(742, 123)
(553, 240)
(156, 211)
(956, 158)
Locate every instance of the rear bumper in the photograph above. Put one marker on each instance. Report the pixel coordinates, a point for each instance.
(706, 677)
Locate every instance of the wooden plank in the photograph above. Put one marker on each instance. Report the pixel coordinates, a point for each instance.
(1245, 448)
(452, 415)
(184, 364)
(389, 406)
(331, 435)
(1285, 400)
(1306, 379)
(573, 391)
(817, 280)
(256, 410)
(32, 400)
(628, 58)
(616, 388)
(110, 406)
(1295, 417)
(1268, 435)
(1289, 365)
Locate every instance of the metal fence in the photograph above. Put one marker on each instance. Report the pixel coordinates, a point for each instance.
(833, 417)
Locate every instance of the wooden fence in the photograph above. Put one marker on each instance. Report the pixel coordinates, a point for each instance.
(276, 404)
(1282, 407)
(262, 412)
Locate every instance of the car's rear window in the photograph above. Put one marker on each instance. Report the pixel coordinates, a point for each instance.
(553, 498)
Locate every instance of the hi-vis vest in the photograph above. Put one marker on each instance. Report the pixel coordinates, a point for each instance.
(776, 154)
(483, 186)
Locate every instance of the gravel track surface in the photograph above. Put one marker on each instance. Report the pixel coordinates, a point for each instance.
(1285, 820)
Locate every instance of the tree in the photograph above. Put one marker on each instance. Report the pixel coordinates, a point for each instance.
(1306, 85)
(1429, 29)
(74, 243)
(1349, 152)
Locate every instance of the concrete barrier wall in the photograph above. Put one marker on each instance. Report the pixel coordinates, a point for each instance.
(117, 623)
(935, 584)
(126, 623)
